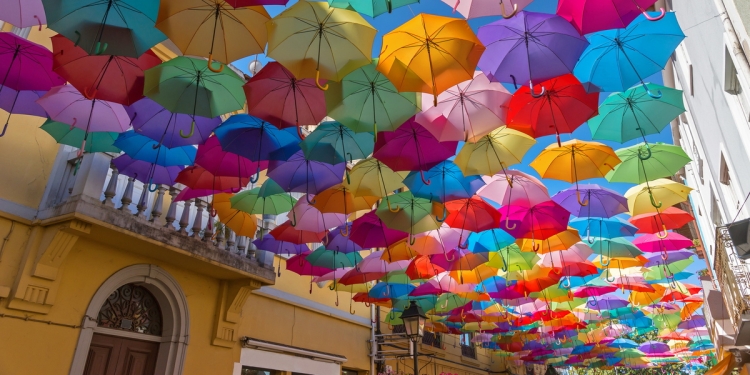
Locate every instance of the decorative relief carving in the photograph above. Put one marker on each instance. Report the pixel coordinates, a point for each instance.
(131, 308)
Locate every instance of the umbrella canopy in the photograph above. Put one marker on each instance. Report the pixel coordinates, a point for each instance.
(589, 16)
(25, 65)
(429, 54)
(513, 187)
(539, 222)
(269, 198)
(369, 231)
(644, 162)
(255, 139)
(475, 9)
(97, 141)
(494, 152)
(668, 218)
(575, 160)
(330, 259)
(314, 40)
(298, 174)
(332, 142)
(112, 78)
(615, 247)
(275, 95)
(604, 227)
(651, 243)
(530, 47)
(371, 177)
(374, 8)
(471, 214)
(287, 233)
(23, 13)
(214, 29)
(122, 28)
(214, 159)
(146, 172)
(617, 59)
(241, 223)
(65, 104)
(446, 183)
(557, 242)
(197, 178)
(339, 199)
(268, 243)
(411, 214)
(601, 202)
(143, 148)
(168, 128)
(654, 195)
(304, 216)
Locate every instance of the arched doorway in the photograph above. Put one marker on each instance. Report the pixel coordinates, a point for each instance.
(136, 323)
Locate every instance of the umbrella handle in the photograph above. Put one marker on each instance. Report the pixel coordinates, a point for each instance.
(210, 62)
(333, 286)
(660, 16)
(310, 202)
(78, 38)
(535, 95)
(344, 232)
(535, 247)
(647, 154)
(100, 48)
(351, 311)
(368, 304)
(90, 95)
(445, 216)
(507, 224)
(39, 22)
(502, 10)
(5, 127)
(424, 181)
(192, 130)
(510, 181)
(653, 201)
(213, 212)
(582, 203)
(299, 133)
(664, 257)
(394, 210)
(650, 93)
(80, 150)
(456, 6)
(256, 176)
(658, 234)
(609, 274)
(412, 239)
(73, 125)
(151, 182)
(461, 245)
(515, 84)
(317, 81)
(566, 283)
(605, 264)
(293, 222)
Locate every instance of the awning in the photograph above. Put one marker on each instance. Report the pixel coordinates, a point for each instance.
(724, 366)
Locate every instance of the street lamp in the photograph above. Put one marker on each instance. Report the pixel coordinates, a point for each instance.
(414, 319)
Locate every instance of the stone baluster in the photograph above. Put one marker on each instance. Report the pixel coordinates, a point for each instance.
(241, 245)
(172, 211)
(111, 190)
(208, 233)
(142, 203)
(158, 204)
(198, 221)
(127, 196)
(185, 218)
(220, 230)
(251, 250)
(230, 240)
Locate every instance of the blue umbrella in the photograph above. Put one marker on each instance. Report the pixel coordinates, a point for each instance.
(617, 59)
(490, 240)
(602, 227)
(624, 344)
(256, 140)
(388, 290)
(447, 183)
(140, 147)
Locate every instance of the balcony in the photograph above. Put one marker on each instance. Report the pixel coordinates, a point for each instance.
(733, 276)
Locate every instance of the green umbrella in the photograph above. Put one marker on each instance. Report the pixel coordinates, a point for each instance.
(409, 213)
(511, 257)
(614, 248)
(663, 321)
(366, 101)
(372, 8)
(427, 303)
(332, 259)
(634, 114)
(449, 301)
(186, 85)
(72, 136)
(642, 162)
(333, 143)
(662, 272)
(269, 198)
(630, 353)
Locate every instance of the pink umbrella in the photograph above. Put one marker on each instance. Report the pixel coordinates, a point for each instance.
(190, 193)
(369, 231)
(512, 187)
(25, 65)
(222, 163)
(484, 8)
(441, 283)
(590, 16)
(23, 13)
(276, 96)
(65, 104)
(652, 243)
(576, 254)
(333, 275)
(467, 111)
(306, 217)
(538, 222)
(374, 263)
(436, 241)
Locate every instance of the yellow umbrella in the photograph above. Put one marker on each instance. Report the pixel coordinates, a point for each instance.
(371, 177)
(647, 298)
(575, 160)
(430, 54)
(494, 152)
(653, 196)
(479, 326)
(689, 309)
(558, 242)
(314, 40)
(475, 276)
(242, 223)
(616, 262)
(214, 29)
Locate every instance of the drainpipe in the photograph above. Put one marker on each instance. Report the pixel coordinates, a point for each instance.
(737, 51)
(373, 343)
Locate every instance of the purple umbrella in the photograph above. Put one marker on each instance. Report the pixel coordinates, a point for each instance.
(146, 172)
(156, 122)
(25, 65)
(695, 321)
(302, 175)
(599, 201)
(607, 303)
(21, 102)
(23, 13)
(342, 243)
(530, 47)
(656, 259)
(651, 347)
(65, 104)
(268, 243)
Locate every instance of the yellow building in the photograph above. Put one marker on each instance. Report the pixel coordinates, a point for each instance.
(99, 276)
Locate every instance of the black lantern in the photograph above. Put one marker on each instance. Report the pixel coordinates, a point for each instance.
(414, 319)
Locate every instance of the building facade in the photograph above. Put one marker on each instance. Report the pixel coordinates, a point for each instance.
(98, 275)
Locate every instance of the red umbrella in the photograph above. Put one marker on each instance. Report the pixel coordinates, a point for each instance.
(276, 96)
(196, 177)
(112, 78)
(472, 214)
(564, 106)
(412, 148)
(422, 267)
(655, 222)
(355, 276)
(286, 232)
(537, 222)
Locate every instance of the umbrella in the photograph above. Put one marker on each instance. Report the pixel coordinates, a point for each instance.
(221, 163)
(494, 152)
(306, 217)
(617, 59)
(275, 95)
(374, 8)
(604, 227)
(590, 16)
(513, 187)
(268, 199)
(197, 178)
(249, 3)
(643, 162)
(23, 13)
(446, 183)
(476, 8)
(301, 266)
(558, 242)
(369, 231)
(21, 102)
(652, 196)
(412, 148)
(158, 123)
(268, 243)
(112, 78)
(467, 111)
(669, 218)
(241, 223)
(331, 259)
(530, 47)
(436, 241)
(332, 142)
(429, 54)
(339, 199)
(301, 175)
(214, 29)
(146, 149)
(539, 222)
(371, 177)
(471, 214)
(65, 135)
(366, 101)
(410, 214)
(602, 202)
(311, 39)
(122, 28)
(186, 85)
(337, 241)
(615, 247)
(288, 233)
(512, 258)
(146, 172)
(634, 114)
(651, 243)
(564, 107)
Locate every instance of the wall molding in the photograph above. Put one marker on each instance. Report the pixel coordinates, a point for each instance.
(297, 301)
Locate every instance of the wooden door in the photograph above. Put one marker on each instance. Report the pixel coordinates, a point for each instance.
(110, 355)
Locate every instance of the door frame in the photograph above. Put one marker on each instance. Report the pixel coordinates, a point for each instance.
(175, 318)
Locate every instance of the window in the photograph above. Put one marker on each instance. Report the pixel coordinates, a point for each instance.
(466, 339)
(467, 347)
(731, 79)
(715, 211)
(724, 171)
(246, 370)
(131, 308)
(432, 339)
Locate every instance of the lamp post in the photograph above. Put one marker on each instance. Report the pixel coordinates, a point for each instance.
(414, 319)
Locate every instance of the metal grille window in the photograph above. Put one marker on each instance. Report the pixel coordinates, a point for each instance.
(467, 349)
(724, 171)
(432, 339)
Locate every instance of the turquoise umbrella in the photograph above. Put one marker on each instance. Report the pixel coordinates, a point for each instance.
(332, 259)
(372, 8)
(333, 143)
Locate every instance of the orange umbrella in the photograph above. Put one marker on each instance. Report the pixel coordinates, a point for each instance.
(558, 242)
(243, 224)
(339, 199)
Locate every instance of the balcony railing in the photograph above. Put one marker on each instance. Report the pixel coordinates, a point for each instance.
(469, 351)
(734, 278)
